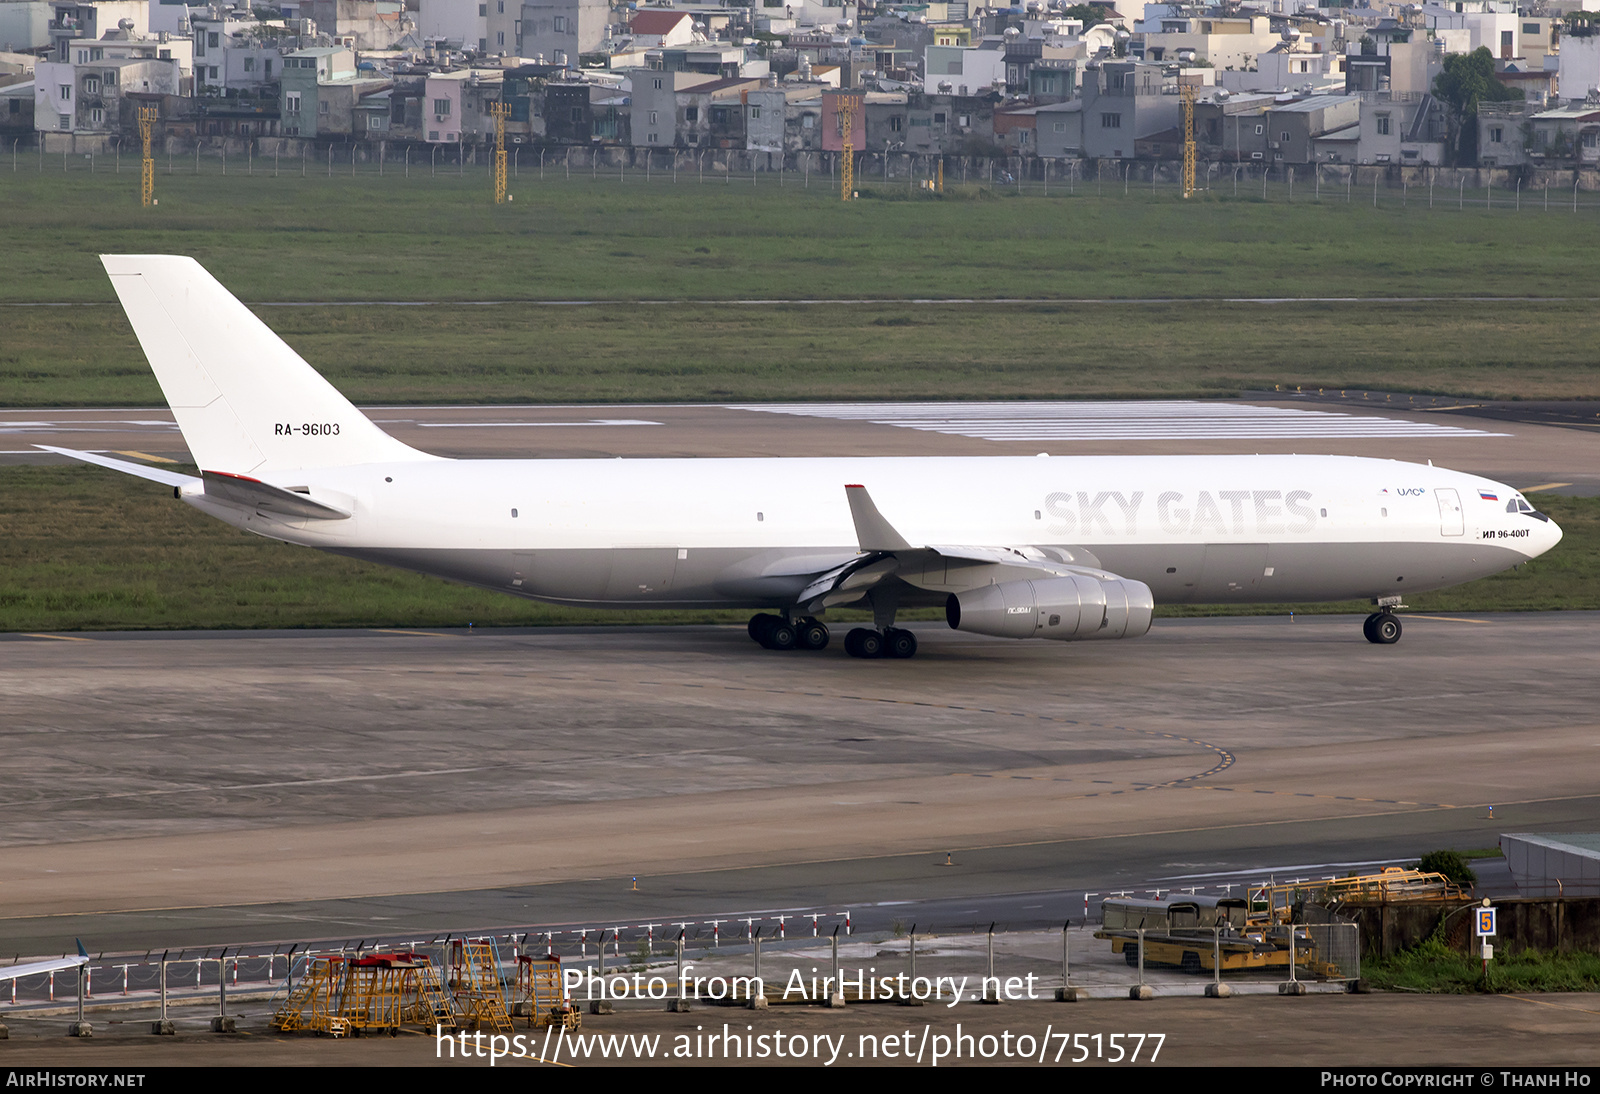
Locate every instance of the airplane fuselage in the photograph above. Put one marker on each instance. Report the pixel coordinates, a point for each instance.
(747, 532)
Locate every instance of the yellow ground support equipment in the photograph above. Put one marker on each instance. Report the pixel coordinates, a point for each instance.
(376, 992)
(475, 986)
(423, 1000)
(1392, 885)
(539, 986)
(1184, 931)
(312, 1002)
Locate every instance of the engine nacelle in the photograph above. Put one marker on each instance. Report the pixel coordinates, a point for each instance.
(1063, 608)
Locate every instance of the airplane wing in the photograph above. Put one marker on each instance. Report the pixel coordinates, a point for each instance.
(55, 964)
(886, 553)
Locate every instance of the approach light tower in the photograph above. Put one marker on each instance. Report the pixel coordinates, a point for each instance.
(1186, 92)
(147, 167)
(847, 165)
(499, 110)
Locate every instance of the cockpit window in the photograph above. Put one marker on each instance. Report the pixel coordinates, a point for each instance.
(1520, 505)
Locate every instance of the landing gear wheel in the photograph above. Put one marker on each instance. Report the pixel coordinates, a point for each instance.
(863, 642)
(899, 644)
(812, 635)
(758, 626)
(773, 632)
(1382, 628)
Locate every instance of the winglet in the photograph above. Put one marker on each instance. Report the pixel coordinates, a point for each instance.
(873, 533)
(83, 953)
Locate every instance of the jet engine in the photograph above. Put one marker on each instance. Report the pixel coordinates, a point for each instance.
(1064, 608)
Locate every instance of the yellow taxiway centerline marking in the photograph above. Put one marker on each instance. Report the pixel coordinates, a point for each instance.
(1544, 486)
(1557, 1006)
(153, 459)
(59, 637)
(420, 634)
(1447, 619)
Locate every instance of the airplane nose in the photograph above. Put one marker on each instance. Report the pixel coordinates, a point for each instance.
(1552, 536)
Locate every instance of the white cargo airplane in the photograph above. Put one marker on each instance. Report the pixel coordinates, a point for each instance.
(1018, 547)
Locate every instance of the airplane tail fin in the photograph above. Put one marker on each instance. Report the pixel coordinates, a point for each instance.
(245, 401)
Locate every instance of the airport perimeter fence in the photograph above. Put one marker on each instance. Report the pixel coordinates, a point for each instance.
(653, 958)
(894, 175)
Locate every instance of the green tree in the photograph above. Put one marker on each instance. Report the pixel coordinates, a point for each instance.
(1467, 80)
(1089, 13)
(1452, 864)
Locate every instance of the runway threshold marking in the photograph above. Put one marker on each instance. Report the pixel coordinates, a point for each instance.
(1544, 486)
(58, 637)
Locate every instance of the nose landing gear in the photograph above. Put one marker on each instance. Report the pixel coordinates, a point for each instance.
(1382, 628)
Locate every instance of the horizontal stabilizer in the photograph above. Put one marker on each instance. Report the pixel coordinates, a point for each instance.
(255, 494)
(154, 474)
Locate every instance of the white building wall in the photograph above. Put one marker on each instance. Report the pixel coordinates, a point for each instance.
(456, 20)
(25, 25)
(1579, 73)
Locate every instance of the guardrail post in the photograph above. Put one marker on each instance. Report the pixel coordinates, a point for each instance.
(1141, 990)
(1066, 993)
(80, 1028)
(1217, 989)
(1292, 986)
(222, 1023)
(836, 992)
(162, 1026)
(758, 1001)
(678, 1003)
(991, 986)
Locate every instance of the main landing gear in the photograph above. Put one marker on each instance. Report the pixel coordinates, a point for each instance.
(1382, 628)
(775, 632)
(889, 642)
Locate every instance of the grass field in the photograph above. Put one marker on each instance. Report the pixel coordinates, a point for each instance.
(438, 239)
(86, 549)
(81, 548)
(616, 353)
(1434, 968)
